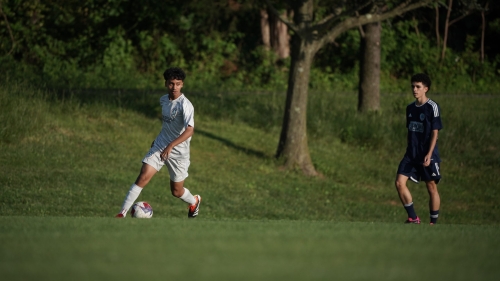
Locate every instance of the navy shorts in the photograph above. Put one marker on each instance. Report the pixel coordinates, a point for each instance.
(417, 172)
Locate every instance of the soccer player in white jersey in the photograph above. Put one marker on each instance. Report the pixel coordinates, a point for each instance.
(171, 146)
(421, 160)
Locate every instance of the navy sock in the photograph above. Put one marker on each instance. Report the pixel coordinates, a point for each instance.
(434, 216)
(411, 212)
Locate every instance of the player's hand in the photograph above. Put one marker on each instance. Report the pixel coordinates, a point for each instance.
(427, 160)
(165, 153)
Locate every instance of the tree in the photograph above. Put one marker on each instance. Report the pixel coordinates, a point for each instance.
(483, 29)
(369, 66)
(275, 34)
(466, 8)
(4, 17)
(309, 36)
(369, 70)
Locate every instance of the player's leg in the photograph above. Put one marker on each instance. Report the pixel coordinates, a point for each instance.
(432, 176)
(145, 175)
(403, 191)
(178, 190)
(406, 198)
(406, 171)
(434, 200)
(152, 163)
(177, 169)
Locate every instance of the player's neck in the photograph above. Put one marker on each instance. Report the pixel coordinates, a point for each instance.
(173, 96)
(421, 100)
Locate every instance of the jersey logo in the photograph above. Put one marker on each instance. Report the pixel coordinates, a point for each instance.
(433, 174)
(416, 127)
(173, 113)
(409, 115)
(422, 117)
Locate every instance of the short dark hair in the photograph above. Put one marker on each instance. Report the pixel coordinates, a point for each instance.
(422, 78)
(174, 73)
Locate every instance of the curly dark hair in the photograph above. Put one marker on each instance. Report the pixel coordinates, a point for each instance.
(174, 73)
(422, 78)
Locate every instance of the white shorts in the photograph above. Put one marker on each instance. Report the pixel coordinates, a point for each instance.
(177, 168)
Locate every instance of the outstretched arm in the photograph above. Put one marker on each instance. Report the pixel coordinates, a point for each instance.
(184, 136)
(434, 137)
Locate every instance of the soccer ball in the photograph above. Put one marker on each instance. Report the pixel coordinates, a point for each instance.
(142, 210)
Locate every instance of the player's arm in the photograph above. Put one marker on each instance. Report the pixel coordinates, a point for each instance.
(434, 137)
(188, 132)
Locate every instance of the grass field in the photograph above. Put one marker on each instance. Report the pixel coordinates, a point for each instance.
(77, 155)
(67, 161)
(61, 248)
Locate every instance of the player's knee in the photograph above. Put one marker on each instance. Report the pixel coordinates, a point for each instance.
(142, 180)
(176, 192)
(432, 187)
(399, 185)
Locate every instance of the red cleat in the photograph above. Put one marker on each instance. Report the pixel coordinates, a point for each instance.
(415, 221)
(120, 216)
(195, 208)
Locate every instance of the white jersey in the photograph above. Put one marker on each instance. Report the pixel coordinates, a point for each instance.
(177, 115)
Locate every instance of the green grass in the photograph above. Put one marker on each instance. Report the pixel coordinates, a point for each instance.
(58, 248)
(68, 159)
(77, 155)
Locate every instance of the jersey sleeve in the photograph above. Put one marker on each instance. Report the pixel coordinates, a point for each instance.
(436, 123)
(164, 99)
(188, 111)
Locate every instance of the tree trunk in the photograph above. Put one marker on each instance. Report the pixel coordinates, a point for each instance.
(292, 146)
(275, 34)
(309, 37)
(280, 38)
(4, 16)
(369, 76)
(438, 36)
(264, 29)
(417, 31)
(483, 29)
(446, 27)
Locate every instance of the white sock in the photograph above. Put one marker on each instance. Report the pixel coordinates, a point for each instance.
(188, 197)
(132, 195)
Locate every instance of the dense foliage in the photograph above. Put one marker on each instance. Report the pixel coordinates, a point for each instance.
(127, 44)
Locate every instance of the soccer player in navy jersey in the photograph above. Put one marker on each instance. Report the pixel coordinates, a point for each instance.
(421, 160)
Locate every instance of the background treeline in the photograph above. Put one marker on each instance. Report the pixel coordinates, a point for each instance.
(128, 44)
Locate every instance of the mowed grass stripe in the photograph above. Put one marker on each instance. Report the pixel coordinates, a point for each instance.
(58, 248)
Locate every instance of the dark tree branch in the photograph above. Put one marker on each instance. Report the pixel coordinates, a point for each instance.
(459, 18)
(446, 27)
(289, 24)
(438, 36)
(483, 30)
(360, 28)
(8, 28)
(369, 18)
(325, 23)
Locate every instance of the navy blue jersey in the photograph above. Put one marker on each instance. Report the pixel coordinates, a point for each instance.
(421, 121)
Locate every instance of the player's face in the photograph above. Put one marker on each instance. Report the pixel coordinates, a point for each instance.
(419, 89)
(174, 86)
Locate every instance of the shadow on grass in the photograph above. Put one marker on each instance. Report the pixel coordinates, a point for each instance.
(231, 144)
(146, 102)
